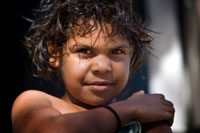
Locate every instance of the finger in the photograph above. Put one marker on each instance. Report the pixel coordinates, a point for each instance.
(169, 109)
(171, 121)
(138, 93)
(169, 117)
(160, 96)
(166, 102)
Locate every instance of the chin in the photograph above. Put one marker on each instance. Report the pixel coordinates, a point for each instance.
(99, 101)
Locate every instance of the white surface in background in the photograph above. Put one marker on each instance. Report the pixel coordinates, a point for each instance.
(167, 74)
(170, 80)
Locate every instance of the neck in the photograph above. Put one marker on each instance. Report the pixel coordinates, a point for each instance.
(72, 100)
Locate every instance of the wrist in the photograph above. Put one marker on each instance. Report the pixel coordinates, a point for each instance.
(119, 124)
(123, 111)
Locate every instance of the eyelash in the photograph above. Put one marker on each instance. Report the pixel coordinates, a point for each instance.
(86, 53)
(117, 51)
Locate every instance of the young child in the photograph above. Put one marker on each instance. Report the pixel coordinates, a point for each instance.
(92, 46)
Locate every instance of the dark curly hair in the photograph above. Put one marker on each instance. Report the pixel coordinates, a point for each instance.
(58, 20)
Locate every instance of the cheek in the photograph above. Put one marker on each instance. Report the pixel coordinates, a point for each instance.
(121, 73)
(73, 70)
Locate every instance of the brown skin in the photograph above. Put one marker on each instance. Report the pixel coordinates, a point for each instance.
(95, 68)
(162, 126)
(94, 74)
(163, 107)
(152, 110)
(35, 111)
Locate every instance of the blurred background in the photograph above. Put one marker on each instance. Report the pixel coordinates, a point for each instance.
(175, 71)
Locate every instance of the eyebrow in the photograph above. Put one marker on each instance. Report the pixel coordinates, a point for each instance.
(113, 46)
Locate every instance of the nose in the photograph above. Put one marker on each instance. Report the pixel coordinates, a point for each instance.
(101, 64)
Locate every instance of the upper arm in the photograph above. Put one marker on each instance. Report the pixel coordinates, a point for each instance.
(32, 111)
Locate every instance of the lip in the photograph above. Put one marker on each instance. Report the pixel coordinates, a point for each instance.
(99, 85)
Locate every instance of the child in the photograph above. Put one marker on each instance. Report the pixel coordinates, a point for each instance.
(92, 46)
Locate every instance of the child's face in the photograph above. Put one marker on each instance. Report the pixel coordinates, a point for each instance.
(95, 69)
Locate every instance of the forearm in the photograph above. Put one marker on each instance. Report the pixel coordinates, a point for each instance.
(94, 120)
(103, 120)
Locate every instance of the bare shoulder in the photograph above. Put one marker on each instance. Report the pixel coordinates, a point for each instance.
(31, 98)
(30, 108)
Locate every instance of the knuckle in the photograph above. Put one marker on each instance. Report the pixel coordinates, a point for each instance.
(169, 115)
(173, 110)
(162, 96)
(170, 103)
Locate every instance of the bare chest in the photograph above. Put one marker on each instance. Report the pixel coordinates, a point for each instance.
(64, 107)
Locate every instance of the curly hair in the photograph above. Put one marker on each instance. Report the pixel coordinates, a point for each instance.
(58, 20)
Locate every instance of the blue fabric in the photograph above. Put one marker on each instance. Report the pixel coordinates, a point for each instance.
(131, 127)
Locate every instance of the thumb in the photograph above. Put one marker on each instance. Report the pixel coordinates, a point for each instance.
(138, 93)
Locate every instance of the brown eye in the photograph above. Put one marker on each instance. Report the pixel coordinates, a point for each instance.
(117, 51)
(84, 51)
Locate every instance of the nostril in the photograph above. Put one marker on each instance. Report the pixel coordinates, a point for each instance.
(101, 64)
(101, 67)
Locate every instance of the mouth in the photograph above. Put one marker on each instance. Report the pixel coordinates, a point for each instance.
(99, 85)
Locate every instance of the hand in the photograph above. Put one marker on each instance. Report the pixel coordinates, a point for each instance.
(150, 107)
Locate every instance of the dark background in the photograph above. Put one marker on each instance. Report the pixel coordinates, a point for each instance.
(16, 54)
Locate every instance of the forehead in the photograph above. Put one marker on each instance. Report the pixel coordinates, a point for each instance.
(99, 36)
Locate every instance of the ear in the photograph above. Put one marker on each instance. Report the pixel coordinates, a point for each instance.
(54, 60)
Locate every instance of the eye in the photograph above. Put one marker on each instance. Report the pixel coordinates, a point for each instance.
(84, 51)
(117, 51)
